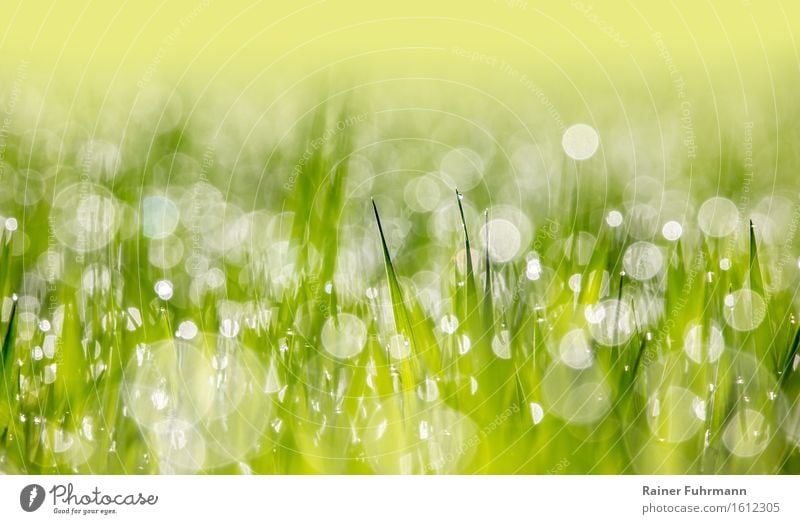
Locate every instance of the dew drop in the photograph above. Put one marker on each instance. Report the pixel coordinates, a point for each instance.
(718, 217)
(501, 344)
(449, 324)
(163, 289)
(580, 141)
(744, 309)
(344, 336)
(537, 412)
(672, 230)
(614, 218)
(229, 327)
(187, 330)
(643, 260)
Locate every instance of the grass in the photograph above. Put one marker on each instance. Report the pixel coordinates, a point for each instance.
(168, 316)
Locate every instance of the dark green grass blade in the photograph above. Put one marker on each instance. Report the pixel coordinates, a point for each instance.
(472, 293)
(409, 368)
(788, 363)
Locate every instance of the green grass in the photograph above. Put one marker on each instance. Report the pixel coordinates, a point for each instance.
(305, 328)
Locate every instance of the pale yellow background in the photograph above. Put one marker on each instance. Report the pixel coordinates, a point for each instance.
(240, 38)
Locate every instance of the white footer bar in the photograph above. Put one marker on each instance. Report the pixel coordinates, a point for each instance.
(354, 499)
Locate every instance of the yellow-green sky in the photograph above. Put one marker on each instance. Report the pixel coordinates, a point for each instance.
(240, 38)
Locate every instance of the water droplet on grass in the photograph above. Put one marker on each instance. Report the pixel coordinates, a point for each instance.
(504, 239)
(537, 413)
(169, 379)
(229, 327)
(27, 325)
(344, 336)
(428, 390)
(533, 269)
(449, 324)
(580, 141)
(85, 217)
(614, 218)
(133, 319)
(699, 408)
(501, 344)
(50, 373)
(574, 282)
(643, 260)
(672, 230)
(673, 416)
(696, 347)
(399, 347)
(575, 351)
(159, 399)
(49, 346)
(394, 444)
(423, 194)
(718, 217)
(241, 410)
(610, 322)
(464, 344)
(215, 278)
(576, 396)
(163, 289)
(165, 253)
(744, 309)
(5, 313)
(187, 330)
(179, 446)
(747, 433)
(96, 279)
(159, 217)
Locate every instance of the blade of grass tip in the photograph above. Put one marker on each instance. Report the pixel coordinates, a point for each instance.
(765, 334)
(8, 335)
(488, 310)
(5, 266)
(472, 293)
(14, 435)
(7, 361)
(756, 280)
(756, 276)
(787, 367)
(592, 278)
(519, 390)
(394, 285)
(619, 301)
(408, 367)
(638, 362)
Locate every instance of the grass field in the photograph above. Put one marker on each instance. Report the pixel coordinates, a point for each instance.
(365, 301)
(546, 261)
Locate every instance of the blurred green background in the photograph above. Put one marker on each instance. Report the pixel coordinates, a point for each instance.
(193, 279)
